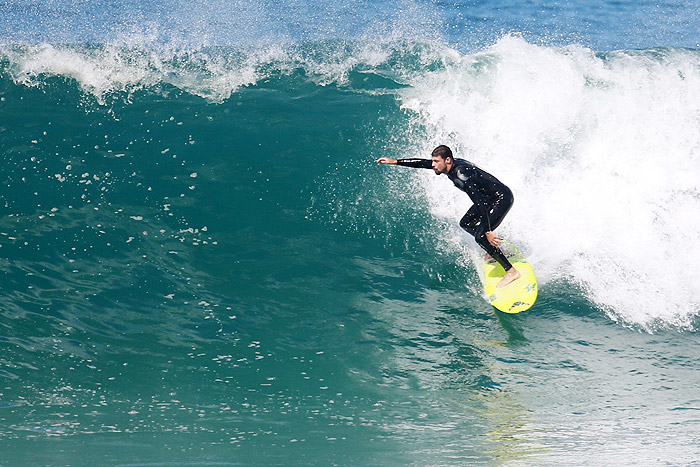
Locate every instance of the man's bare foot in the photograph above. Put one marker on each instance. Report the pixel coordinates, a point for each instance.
(511, 275)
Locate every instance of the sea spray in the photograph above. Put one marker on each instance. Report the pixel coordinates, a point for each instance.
(600, 150)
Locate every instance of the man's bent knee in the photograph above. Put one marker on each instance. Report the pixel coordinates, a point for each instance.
(482, 240)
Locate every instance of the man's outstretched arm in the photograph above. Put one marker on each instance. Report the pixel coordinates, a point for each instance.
(417, 163)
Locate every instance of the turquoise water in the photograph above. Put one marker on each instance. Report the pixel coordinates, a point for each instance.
(202, 265)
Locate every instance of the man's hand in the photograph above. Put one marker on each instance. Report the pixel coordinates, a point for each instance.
(493, 240)
(386, 160)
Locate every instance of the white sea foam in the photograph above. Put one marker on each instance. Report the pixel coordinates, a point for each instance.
(603, 154)
(108, 69)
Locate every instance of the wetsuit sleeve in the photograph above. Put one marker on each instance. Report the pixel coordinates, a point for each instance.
(416, 163)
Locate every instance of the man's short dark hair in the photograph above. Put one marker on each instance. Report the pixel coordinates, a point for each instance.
(442, 151)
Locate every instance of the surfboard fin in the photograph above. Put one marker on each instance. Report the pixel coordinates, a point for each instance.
(518, 304)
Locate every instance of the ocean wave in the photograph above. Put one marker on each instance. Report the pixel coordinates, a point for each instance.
(601, 148)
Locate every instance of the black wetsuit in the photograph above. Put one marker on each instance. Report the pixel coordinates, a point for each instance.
(492, 201)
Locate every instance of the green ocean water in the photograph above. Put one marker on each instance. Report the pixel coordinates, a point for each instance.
(202, 265)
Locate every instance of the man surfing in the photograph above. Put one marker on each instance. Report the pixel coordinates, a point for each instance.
(492, 200)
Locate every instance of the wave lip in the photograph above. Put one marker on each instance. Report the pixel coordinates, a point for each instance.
(105, 70)
(216, 73)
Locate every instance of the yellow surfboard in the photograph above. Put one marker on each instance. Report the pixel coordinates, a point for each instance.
(517, 296)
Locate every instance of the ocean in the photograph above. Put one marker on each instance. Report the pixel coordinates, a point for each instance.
(202, 264)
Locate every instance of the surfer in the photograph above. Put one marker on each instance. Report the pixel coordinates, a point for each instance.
(492, 200)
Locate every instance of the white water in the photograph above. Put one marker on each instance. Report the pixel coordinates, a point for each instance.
(603, 155)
